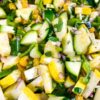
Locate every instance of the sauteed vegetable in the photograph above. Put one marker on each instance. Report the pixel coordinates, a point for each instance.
(49, 49)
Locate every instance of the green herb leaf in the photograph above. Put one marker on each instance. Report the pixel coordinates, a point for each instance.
(49, 15)
(86, 78)
(55, 39)
(15, 46)
(73, 21)
(7, 72)
(48, 54)
(10, 18)
(39, 4)
(28, 50)
(86, 65)
(20, 32)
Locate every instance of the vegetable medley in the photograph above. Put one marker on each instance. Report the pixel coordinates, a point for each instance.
(49, 49)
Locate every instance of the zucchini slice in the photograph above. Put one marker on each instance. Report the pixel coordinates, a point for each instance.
(47, 80)
(73, 68)
(36, 83)
(7, 29)
(31, 73)
(67, 44)
(35, 53)
(9, 62)
(94, 80)
(29, 38)
(51, 50)
(2, 96)
(5, 48)
(58, 4)
(97, 95)
(2, 13)
(79, 87)
(24, 13)
(3, 22)
(60, 25)
(95, 46)
(43, 31)
(82, 40)
(36, 27)
(13, 91)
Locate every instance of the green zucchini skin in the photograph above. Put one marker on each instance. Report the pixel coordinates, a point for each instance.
(29, 38)
(67, 44)
(60, 25)
(73, 69)
(2, 13)
(82, 41)
(43, 32)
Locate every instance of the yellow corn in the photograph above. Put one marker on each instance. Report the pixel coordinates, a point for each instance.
(12, 6)
(36, 61)
(23, 61)
(79, 97)
(47, 2)
(24, 21)
(65, 6)
(83, 10)
(39, 18)
(24, 3)
(35, 16)
(92, 29)
(86, 10)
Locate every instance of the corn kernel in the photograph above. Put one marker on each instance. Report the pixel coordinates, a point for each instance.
(86, 10)
(36, 61)
(79, 97)
(12, 6)
(23, 61)
(24, 3)
(47, 2)
(92, 30)
(65, 6)
(83, 10)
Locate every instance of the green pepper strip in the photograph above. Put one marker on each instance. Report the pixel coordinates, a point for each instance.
(7, 72)
(27, 51)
